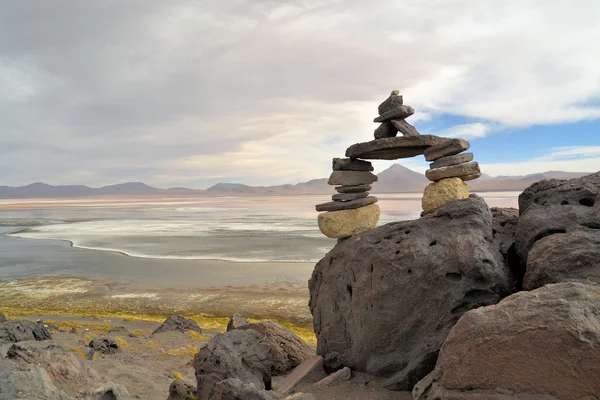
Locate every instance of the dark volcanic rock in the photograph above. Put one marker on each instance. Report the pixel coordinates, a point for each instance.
(235, 322)
(394, 101)
(346, 205)
(351, 178)
(349, 196)
(470, 169)
(17, 331)
(584, 191)
(385, 130)
(241, 354)
(504, 225)
(178, 323)
(399, 112)
(393, 148)
(104, 346)
(543, 344)
(348, 164)
(179, 390)
(451, 160)
(404, 127)
(353, 188)
(572, 256)
(29, 382)
(384, 301)
(289, 349)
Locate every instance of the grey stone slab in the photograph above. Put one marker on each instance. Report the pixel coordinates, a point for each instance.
(351, 178)
(394, 101)
(385, 130)
(404, 127)
(346, 205)
(393, 148)
(353, 189)
(396, 113)
(447, 148)
(349, 196)
(453, 171)
(348, 164)
(451, 160)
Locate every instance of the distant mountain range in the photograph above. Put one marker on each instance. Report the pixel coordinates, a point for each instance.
(396, 179)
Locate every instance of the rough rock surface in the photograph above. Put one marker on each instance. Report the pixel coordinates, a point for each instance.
(311, 370)
(178, 323)
(471, 177)
(289, 349)
(236, 321)
(109, 391)
(404, 127)
(393, 148)
(348, 164)
(349, 196)
(454, 171)
(341, 224)
(452, 160)
(353, 188)
(351, 178)
(505, 222)
(399, 112)
(2, 318)
(179, 390)
(394, 101)
(564, 257)
(17, 331)
(29, 382)
(448, 147)
(344, 374)
(439, 193)
(235, 389)
(346, 205)
(540, 343)
(425, 273)
(104, 346)
(385, 130)
(241, 354)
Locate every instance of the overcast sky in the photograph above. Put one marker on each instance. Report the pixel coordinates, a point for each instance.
(190, 93)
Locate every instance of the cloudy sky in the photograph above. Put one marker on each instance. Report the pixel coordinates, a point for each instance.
(190, 93)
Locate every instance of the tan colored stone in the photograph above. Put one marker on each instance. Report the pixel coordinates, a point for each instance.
(441, 192)
(341, 224)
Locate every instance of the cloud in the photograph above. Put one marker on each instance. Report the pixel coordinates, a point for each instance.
(263, 91)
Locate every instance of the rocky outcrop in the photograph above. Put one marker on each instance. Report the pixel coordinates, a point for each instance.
(384, 301)
(236, 321)
(288, 349)
(178, 323)
(17, 331)
(504, 225)
(558, 230)
(543, 344)
(240, 354)
(29, 382)
(179, 390)
(104, 346)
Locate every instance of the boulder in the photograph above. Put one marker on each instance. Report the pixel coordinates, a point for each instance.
(17, 331)
(29, 382)
(451, 160)
(346, 205)
(400, 112)
(469, 170)
(235, 322)
(543, 344)
(351, 178)
(311, 370)
(178, 323)
(394, 101)
(439, 193)
(353, 188)
(345, 223)
(404, 127)
(349, 164)
(384, 301)
(448, 147)
(385, 130)
(393, 148)
(179, 390)
(344, 374)
(289, 349)
(241, 354)
(104, 346)
(572, 256)
(235, 389)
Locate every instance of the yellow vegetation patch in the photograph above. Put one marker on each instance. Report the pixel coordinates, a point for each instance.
(177, 375)
(78, 351)
(199, 336)
(121, 342)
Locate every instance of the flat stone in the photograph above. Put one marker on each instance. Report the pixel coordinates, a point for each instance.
(397, 113)
(351, 178)
(344, 374)
(449, 147)
(346, 205)
(349, 164)
(310, 370)
(454, 171)
(393, 148)
(385, 130)
(404, 127)
(439, 193)
(471, 177)
(341, 224)
(451, 160)
(349, 196)
(353, 189)
(394, 101)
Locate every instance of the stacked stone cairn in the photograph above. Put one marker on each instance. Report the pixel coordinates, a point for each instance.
(353, 211)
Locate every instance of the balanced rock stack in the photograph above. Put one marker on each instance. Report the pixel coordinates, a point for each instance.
(352, 210)
(449, 172)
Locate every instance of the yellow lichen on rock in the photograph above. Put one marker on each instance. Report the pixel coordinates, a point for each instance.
(345, 223)
(441, 192)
